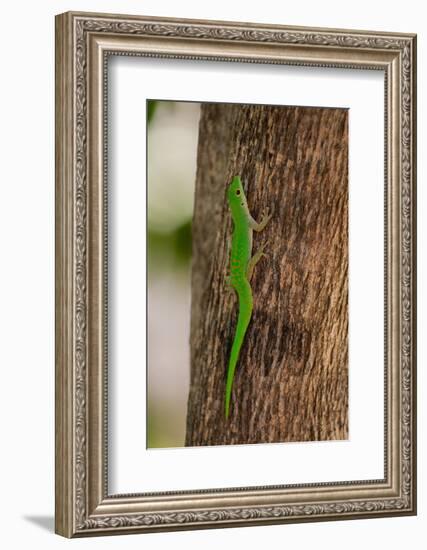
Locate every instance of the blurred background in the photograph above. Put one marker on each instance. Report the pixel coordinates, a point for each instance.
(171, 159)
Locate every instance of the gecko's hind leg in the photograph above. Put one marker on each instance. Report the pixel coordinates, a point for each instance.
(229, 288)
(254, 260)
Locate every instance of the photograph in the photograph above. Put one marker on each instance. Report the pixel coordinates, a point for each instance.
(235, 273)
(247, 248)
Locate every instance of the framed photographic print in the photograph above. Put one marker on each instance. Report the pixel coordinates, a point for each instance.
(235, 274)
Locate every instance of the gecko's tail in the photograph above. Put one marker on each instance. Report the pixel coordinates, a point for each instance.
(245, 313)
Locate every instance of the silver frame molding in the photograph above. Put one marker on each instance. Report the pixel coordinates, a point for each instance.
(83, 43)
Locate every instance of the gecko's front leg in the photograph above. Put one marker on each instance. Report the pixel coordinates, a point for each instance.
(266, 217)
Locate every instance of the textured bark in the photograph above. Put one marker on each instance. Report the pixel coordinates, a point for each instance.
(291, 381)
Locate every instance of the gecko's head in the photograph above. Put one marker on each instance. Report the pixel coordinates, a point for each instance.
(235, 194)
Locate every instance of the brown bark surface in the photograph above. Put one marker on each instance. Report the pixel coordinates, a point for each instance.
(291, 381)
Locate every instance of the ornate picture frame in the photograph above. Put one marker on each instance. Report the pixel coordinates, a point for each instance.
(84, 42)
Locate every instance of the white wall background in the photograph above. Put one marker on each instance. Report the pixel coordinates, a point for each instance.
(27, 273)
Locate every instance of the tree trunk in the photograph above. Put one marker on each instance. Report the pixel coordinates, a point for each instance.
(291, 380)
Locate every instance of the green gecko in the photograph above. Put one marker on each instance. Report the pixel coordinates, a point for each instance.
(242, 264)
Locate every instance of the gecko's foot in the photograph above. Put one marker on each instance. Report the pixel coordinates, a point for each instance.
(266, 216)
(261, 250)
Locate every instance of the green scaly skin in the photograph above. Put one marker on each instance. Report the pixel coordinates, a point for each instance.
(241, 266)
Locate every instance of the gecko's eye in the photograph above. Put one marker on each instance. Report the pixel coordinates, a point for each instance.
(238, 192)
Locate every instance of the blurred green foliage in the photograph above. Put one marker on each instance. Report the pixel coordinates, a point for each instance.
(151, 108)
(182, 242)
(170, 251)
